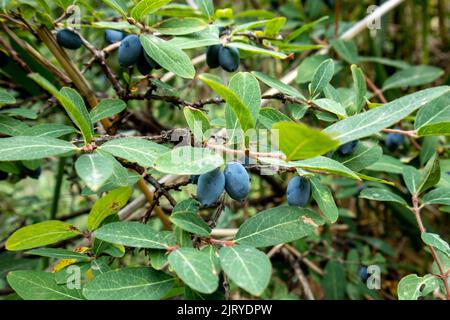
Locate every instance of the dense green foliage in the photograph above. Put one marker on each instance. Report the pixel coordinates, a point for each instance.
(223, 150)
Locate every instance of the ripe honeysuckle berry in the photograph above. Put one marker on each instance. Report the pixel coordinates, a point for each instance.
(113, 36)
(212, 56)
(348, 148)
(3, 175)
(130, 50)
(151, 62)
(210, 187)
(68, 39)
(33, 174)
(237, 181)
(143, 66)
(298, 191)
(394, 140)
(229, 58)
(363, 274)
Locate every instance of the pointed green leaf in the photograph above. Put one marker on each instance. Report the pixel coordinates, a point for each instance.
(145, 7)
(241, 110)
(412, 286)
(379, 194)
(168, 56)
(129, 284)
(108, 205)
(436, 241)
(134, 234)
(412, 76)
(374, 120)
(278, 225)
(246, 266)
(31, 148)
(297, 141)
(195, 268)
(39, 285)
(41, 234)
(94, 170)
(324, 198)
(322, 77)
(140, 151)
(107, 108)
(278, 85)
(437, 196)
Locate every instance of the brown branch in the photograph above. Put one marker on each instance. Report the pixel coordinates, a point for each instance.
(444, 274)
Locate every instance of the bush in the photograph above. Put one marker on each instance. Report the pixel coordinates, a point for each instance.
(312, 165)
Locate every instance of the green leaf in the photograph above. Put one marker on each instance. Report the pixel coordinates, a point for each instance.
(53, 130)
(278, 85)
(168, 56)
(40, 234)
(241, 110)
(254, 49)
(206, 6)
(320, 163)
(413, 76)
(437, 196)
(324, 198)
(188, 160)
(134, 234)
(195, 268)
(379, 194)
(435, 129)
(11, 126)
(274, 26)
(412, 286)
(6, 98)
(129, 284)
(197, 121)
(22, 112)
(39, 285)
(94, 170)
(278, 225)
(359, 86)
(321, 77)
(108, 205)
(327, 165)
(388, 62)
(118, 5)
(297, 141)
(412, 178)
(362, 157)
(435, 241)
(181, 26)
(330, 106)
(145, 7)
(72, 102)
(334, 281)
(138, 150)
(296, 33)
(436, 112)
(346, 50)
(246, 266)
(387, 164)
(58, 253)
(269, 116)
(185, 216)
(75, 107)
(307, 68)
(204, 38)
(107, 108)
(431, 174)
(246, 87)
(374, 120)
(31, 148)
